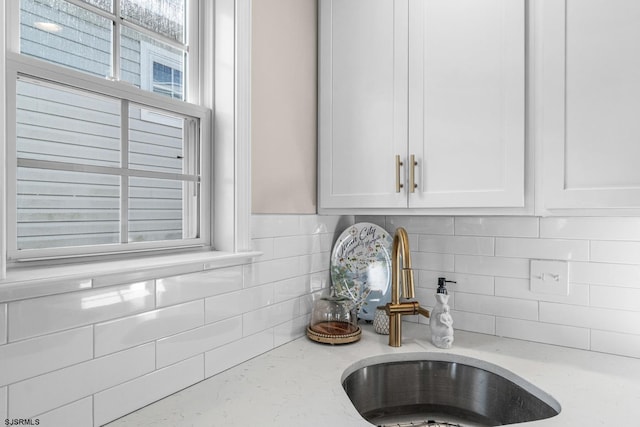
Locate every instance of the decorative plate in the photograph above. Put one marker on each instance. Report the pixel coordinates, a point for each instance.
(361, 267)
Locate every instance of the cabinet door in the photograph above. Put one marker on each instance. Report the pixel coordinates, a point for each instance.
(467, 102)
(362, 102)
(589, 92)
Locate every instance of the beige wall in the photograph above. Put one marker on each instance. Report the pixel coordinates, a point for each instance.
(283, 107)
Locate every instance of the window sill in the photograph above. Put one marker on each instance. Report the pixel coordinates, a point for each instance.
(22, 283)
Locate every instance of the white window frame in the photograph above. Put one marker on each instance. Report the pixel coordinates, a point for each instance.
(18, 64)
(33, 68)
(225, 52)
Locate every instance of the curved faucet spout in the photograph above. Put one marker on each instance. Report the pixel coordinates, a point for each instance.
(401, 272)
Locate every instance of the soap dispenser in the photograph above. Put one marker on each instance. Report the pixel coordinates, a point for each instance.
(441, 322)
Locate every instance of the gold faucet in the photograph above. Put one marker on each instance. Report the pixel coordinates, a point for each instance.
(401, 270)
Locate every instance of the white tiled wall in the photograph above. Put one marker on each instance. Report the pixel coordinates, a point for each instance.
(489, 257)
(35, 356)
(39, 316)
(131, 395)
(92, 355)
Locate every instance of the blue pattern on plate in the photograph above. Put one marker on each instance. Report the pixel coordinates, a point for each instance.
(361, 267)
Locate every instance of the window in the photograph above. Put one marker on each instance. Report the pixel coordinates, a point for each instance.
(166, 80)
(162, 74)
(104, 150)
(88, 35)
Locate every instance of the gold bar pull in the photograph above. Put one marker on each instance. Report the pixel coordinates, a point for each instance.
(399, 184)
(412, 174)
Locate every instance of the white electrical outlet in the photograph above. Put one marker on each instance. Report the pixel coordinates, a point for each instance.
(549, 277)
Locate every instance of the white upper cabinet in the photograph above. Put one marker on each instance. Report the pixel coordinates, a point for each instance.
(362, 102)
(438, 81)
(467, 102)
(588, 105)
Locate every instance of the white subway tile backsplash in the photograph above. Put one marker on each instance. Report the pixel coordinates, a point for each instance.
(319, 281)
(380, 221)
(225, 357)
(122, 399)
(421, 225)
(291, 246)
(492, 266)
(577, 250)
(427, 298)
(291, 330)
(315, 224)
(134, 330)
(467, 283)
(432, 261)
(463, 245)
(145, 274)
(187, 344)
(567, 336)
(496, 226)
(615, 298)
(474, 322)
(292, 288)
(616, 343)
(307, 301)
(414, 240)
(274, 225)
(321, 243)
(35, 356)
(497, 306)
(428, 279)
(267, 317)
(592, 228)
(49, 391)
(235, 303)
(521, 288)
(314, 263)
(188, 287)
(591, 317)
(38, 316)
(44, 287)
(472, 284)
(615, 252)
(3, 323)
(265, 246)
(260, 273)
(605, 274)
(79, 413)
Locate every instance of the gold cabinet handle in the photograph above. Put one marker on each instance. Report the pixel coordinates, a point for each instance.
(412, 174)
(398, 165)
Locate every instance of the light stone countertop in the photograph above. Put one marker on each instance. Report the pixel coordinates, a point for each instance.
(299, 383)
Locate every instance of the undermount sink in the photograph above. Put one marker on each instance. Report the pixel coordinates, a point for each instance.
(447, 391)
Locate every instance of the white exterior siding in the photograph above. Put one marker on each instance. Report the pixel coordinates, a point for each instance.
(63, 208)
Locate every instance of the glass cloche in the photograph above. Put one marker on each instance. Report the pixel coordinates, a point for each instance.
(334, 320)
